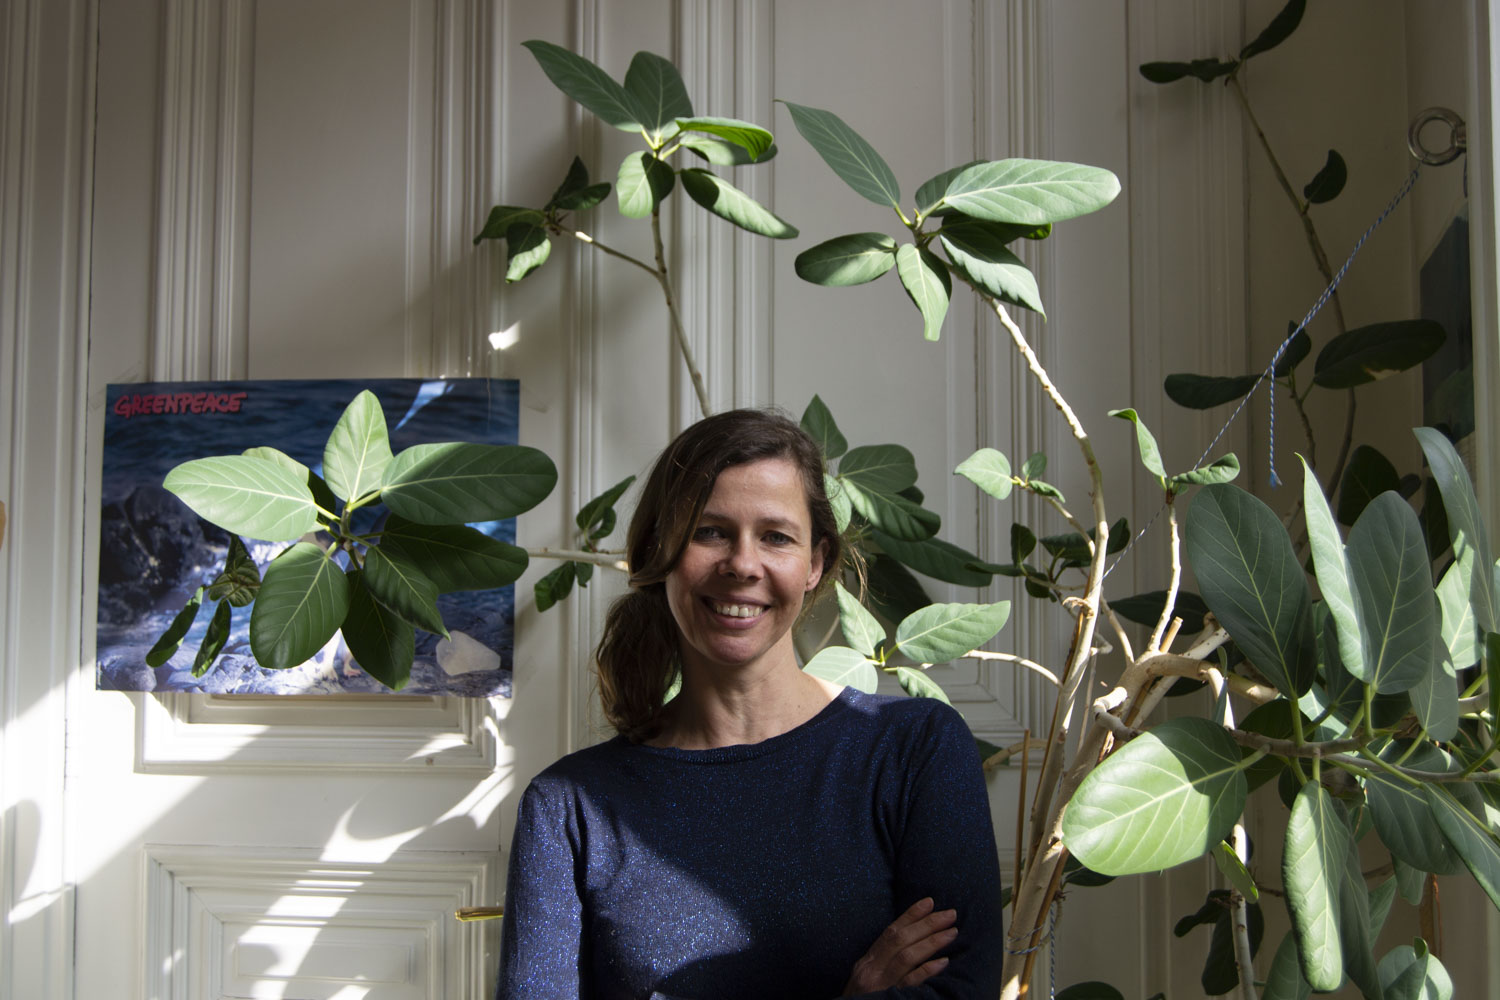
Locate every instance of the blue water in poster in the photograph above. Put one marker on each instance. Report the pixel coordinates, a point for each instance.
(154, 552)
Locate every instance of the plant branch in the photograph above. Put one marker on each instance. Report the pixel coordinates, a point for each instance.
(664, 278)
(584, 237)
(610, 559)
(984, 654)
(1169, 606)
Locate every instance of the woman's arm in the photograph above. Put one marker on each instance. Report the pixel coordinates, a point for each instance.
(541, 947)
(904, 953)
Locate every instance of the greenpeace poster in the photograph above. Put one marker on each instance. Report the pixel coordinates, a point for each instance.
(154, 553)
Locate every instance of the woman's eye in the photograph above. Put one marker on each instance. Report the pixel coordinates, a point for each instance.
(707, 533)
(777, 538)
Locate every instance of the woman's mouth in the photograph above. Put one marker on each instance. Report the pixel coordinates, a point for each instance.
(731, 610)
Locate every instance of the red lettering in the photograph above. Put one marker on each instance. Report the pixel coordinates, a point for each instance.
(235, 398)
(122, 406)
(135, 405)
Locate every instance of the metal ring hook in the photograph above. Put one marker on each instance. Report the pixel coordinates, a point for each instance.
(1458, 136)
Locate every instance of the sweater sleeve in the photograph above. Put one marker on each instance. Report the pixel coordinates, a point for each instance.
(541, 950)
(947, 851)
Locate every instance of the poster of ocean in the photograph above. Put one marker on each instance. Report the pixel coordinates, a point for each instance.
(154, 552)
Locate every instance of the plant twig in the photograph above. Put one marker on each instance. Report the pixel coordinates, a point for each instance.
(1021, 661)
(584, 237)
(610, 559)
(1169, 606)
(664, 278)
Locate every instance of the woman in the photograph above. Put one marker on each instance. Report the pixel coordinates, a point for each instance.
(764, 833)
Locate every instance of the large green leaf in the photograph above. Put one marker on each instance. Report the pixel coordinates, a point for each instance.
(322, 495)
(454, 556)
(862, 631)
(555, 586)
(847, 260)
(1468, 834)
(1465, 523)
(1367, 475)
(503, 217)
(397, 583)
(926, 280)
(1031, 191)
(1145, 609)
(1206, 70)
(587, 84)
(1253, 583)
(213, 639)
(1318, 844)
(919, 685)
(722, 152)
(894, 592)
(942, 632)
(818, 422)
(248, 496)
(656, 91)
(304, 597)
(1332, 568)
(838, 500)
(989, 470)
(642, 183)
(935, 558)
(887, 468)
(1407, 973)
(979, 250)
(575, 193)
(1279, 30)
(930, 194)
(458, 482)
(729, 202)
(842, 665)
(751, 142)
(1165, 797)
(1375, 351)
(1402, 814)
(1284, 979)
(1434, 698)
(1460, 629)
(1203, 392)
(528, 247)
(891, 513)
(847, 152)
(172, 638)
(1393, 587)
(358, 450)
(1356, 936)
(382, 644)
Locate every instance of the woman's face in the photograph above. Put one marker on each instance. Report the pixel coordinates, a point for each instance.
(738, 587)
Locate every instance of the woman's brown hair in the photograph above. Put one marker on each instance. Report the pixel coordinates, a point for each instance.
(637, 655)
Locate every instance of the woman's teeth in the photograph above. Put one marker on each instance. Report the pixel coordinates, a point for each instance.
(736, 610)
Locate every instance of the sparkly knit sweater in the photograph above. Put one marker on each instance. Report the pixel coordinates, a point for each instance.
(761, 871)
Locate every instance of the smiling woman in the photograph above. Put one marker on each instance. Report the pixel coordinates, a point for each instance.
(763, 833)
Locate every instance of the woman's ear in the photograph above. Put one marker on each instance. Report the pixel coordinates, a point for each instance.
(815, 571)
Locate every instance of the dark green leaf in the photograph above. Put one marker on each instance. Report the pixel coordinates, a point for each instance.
(1092, 990)
(643, 182)
(1150, 453)
(989, 470)
(1203, 392)
(591, 515)
(1165, 797)
(553, 587)
(886, 468)
(847, 260)
(398, 584)
(1273, 719)
(1253, 582)
(1469, 835)
(1031, 191)
(1278, 31)
(583, 572)
(656, 91)
(1074, 549)
(1402, 814)
(1393, 586)
(358, 450)
(917, 684)
(1367, 475)
(1221, 470)
(213, 639)
(575, 181)
(893, 514)
(458, 482)
(846, 151)
(926, 280)
(528, 248)
(991, 266)
(1035, 465)
(503, 218)
(1356, 937)
(1022, 543)
(454, 556)
(1434, 698)
(1042, 489)
(730, 203)
(1284, 980)
(172, 638)
(1221, 972)
(1145, 609)
(818, 422)
(1312, 868)
(747, 142)
(1328, 182)
(246, 496)
(381, 643)
(303, 599)
(1332, 568)
(1076, 873)
(587, 84)
(935, 558)
(1206, 70)
(893, 591)
(1375, 351)
(1466, 526)
(240, 581)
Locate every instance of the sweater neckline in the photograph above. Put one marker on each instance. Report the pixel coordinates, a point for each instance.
(746, 751)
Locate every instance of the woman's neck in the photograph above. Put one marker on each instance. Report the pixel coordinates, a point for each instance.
(749, 707)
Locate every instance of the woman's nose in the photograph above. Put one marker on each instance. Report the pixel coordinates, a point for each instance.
(741, 560)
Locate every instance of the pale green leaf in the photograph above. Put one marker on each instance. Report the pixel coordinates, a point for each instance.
(722, 152)
(1407, 973)
(930, 194)
(251, 497)
(1356, 937)
(1392, 584)
(358, 450)
(1468, 834)
(926, 280)
(1460, 628)
(989, 470)
(838, 499)
(458, 482)
(1165, 797)
(304, 597)
(642, 183)
(942, 632)
(730, 203)
(847, 260)
(1284, 979)
(1466, 526)
(1233, 868)
(988, 263)
(1312, 868)
(1434, 698)
(842, 665)
(399, 585)
(587, 84)
(1146, 442)
(1332, 568)
(1220, 470)
(917, 684)
(850, 156)
(381, 643)
(862, 630)
(1030, 191)
(754, 143)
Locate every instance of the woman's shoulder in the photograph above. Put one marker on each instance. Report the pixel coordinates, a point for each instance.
(884, 711)
(582, 770)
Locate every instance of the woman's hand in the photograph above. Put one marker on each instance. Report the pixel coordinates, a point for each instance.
(903, 954)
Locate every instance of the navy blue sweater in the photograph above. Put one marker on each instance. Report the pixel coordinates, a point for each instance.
(755, 871)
